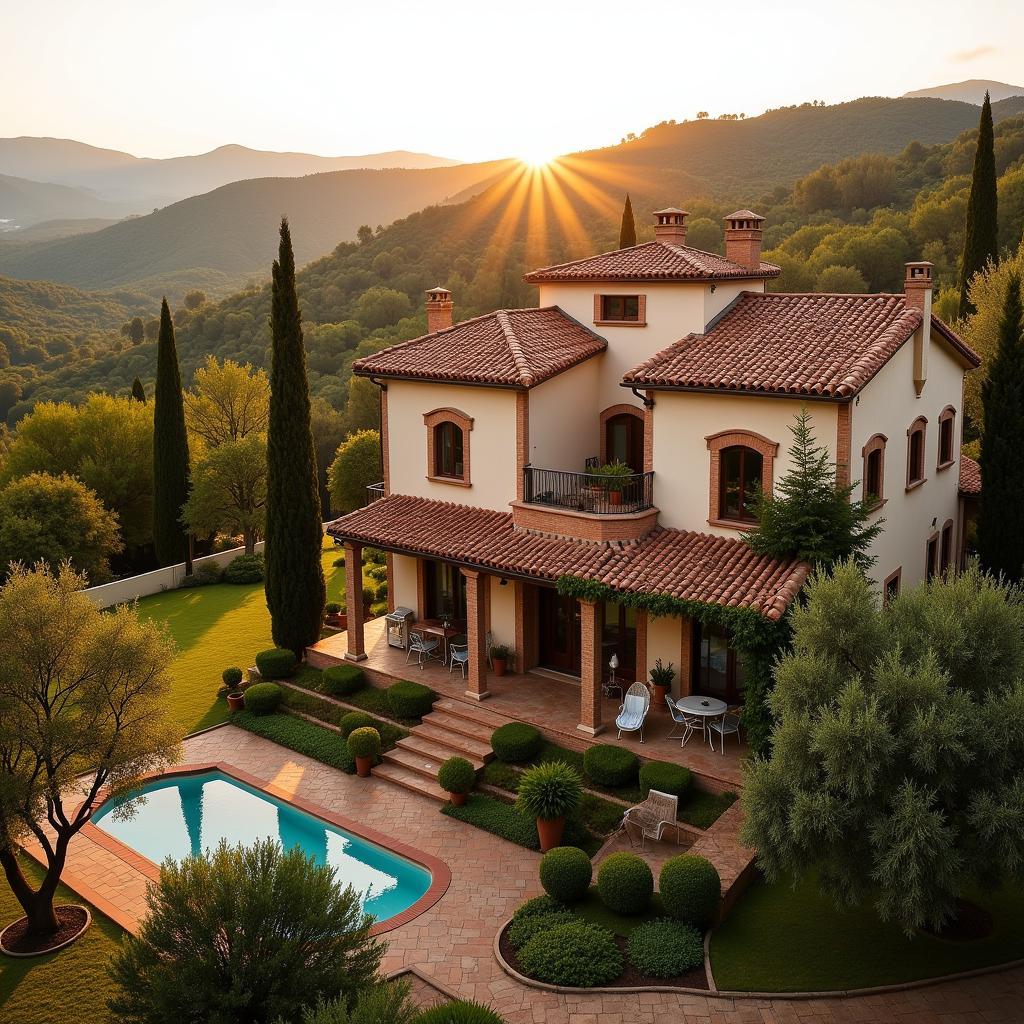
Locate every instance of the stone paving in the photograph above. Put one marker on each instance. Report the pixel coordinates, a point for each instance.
(451, 944)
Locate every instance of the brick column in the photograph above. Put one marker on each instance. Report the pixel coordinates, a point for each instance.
(476, 631)
(354, 600)
(590, 671)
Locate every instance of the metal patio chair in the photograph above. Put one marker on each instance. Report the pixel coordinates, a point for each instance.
(423, 648)
(690, 723)
(458, 654)
(728, 724)
(633, 711)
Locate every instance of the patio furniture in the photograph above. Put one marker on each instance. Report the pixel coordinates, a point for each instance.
(702, 708)
(633, 710)
(689, 722)
(488, 640)
(458, 654)
(422, 646)
(651, 817)
(444, 635)
(728, 724)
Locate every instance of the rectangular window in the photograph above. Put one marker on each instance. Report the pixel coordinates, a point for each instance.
(916, 457)
(946, 441)
(891, 587)
(873, 481)
(623, 308)
(947, 546)
(932, 557)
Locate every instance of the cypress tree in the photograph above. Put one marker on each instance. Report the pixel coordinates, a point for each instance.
(294, 575)
(627, 231)
(1001, 513)
(138, 391)
(981, 239)
(170, 450)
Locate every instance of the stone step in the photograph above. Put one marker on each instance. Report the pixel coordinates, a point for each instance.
(457, 742)
(472, 730)
(470, 713)
(415, 761)
(409, 780)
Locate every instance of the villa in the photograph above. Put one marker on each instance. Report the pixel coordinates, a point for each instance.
(680, 365)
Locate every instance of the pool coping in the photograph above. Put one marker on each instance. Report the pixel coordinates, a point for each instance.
(440, 873)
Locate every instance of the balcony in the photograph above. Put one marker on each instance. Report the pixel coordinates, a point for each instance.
(374, 492)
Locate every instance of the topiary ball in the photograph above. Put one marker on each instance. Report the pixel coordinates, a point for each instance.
(665, 777)
(277, 663)
(263, 698)
(516, 742)
(665, 949)
(245, 569)
(364, 742)
(410, 700)
(690, 889)
(565, 873)
(355, 720)
(231, 677)
(459, 1011)
(577, 954)
(456, 775)
(609, 765)
(341, 680)
(625, 883)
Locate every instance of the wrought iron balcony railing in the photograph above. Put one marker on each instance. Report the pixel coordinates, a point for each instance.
(589, 492)
(374, 492)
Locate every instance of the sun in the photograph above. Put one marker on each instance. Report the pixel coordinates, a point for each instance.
(537, 158)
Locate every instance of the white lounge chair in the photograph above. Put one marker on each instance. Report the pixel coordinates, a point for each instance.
(633, 710)
(728, 724)
(651, 817)
(690, 723)
(421, 647)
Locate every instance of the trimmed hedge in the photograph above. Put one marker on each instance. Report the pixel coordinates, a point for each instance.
(665, 777)
(520, 932)
(355, 720)
(459, 1011)
(543, 904)
(496, 817)
(609, 765)
(625, 883)
(277, 663)
(576, 953)
(341, 680)
(516, 742)
(231, 677)
(456, 775)
(244, 569)
(690, 889)
(410, 700)
(665, 949)
(565, 873)
(297, 734)
(364, 742)
(263, 698)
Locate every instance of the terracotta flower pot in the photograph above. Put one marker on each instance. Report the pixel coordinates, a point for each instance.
(499, 665)
(660, 692)
(549, 830)
(236, 701)
(363, 766)
(333, 620)
(615, 497)
(458, 799)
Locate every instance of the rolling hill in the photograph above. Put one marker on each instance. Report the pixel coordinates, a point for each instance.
(24, 203)
(971, 91)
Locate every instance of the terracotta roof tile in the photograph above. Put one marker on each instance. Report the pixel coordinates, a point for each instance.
(650, 261)
(511, 348)
(970, 476)
(820, 345)
(685, 565)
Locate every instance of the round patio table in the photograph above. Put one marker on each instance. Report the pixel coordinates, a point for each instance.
(704, 708)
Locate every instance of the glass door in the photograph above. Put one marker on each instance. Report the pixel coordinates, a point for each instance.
(559, 631)
(618, 636)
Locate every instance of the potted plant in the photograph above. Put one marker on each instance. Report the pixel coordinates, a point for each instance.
(364, 746)
(501, 658)
(457, 777)
(236, 700)
(661, 681)
(549, 792)
(332, 615)
(613, 478)
(233, 686)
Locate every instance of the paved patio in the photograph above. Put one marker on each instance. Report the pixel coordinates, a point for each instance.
(550, 702)
(451, 943)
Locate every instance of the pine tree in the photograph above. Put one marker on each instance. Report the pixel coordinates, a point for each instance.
(170, 450)
(1001, 514)
(981, 239)
(295, 587)
(627, 232)
(138, 391)
(810, 516)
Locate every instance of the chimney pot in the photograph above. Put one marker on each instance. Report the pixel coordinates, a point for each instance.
(670, 225)
(743, 233)
(439, 309)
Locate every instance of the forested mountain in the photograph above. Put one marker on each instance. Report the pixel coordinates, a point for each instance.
(24, 203)
(971, 91)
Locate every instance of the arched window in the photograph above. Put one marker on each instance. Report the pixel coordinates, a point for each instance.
(915, 452)
(448, 450)
(874, 470)
(448, 446)
(741, 465)
(947, 437)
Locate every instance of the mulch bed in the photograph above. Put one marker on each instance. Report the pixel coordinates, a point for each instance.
(970, 924)
(630, 977)
(72, 921)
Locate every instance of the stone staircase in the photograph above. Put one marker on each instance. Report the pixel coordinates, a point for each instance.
(453, 728)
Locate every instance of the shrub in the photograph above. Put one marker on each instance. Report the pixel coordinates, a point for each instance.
(456, 775)
(610, 766)
(263, 698)
(549, 790)
(375, 556)
(332, 608)
(565, 873)
(543, 904)
(245, 569)
(625, 883)
(341, 680)
(377, 572)
(665, 949)
(383, 1003)
(577, 954)
(367, 597)
(355, 720)
(231, 677)
(381, 591)
(207, 574)
(665, 777)
(497, 817)
(410, 700)
(299, 735)
(516, 742)
(690, 889)
(378, 608)
(520, 932)
(459, 1011)
(364, 742)
(277, 663)
(339, 562)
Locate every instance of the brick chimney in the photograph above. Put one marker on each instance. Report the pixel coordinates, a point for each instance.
(917, 294)
(670, 225)
(743, 238)
(439, 309)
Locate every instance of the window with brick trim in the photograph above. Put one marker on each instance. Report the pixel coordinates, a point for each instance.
(931, 557)
(741, 465)
(915, 452)
(891, 586)
(448, 446)
(874, 470)
(947, 437)
(627, 310)
(946, 546)
(448, 459)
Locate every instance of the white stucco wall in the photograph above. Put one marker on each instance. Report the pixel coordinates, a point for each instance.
(888, 405)
(402, 585)
(503, 612)
(565, 418)
(664, 637)
(492, 442)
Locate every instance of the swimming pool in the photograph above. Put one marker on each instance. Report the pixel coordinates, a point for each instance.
(191, 814)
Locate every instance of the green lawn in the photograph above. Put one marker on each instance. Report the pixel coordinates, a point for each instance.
(781, 939)
(71, 986)
(215, 627)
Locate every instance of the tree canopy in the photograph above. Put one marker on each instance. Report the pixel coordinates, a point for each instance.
(227, 402)
(356, 465)
(981, 237)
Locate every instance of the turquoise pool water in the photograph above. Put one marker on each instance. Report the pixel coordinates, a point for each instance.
(191, 814)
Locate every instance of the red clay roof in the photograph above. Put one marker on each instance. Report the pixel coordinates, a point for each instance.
(685, 565)
(510, 347)
(970, 476)
(650, 261)
(817, 345)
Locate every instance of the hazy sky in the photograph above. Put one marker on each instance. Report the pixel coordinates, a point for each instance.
(467, 80)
